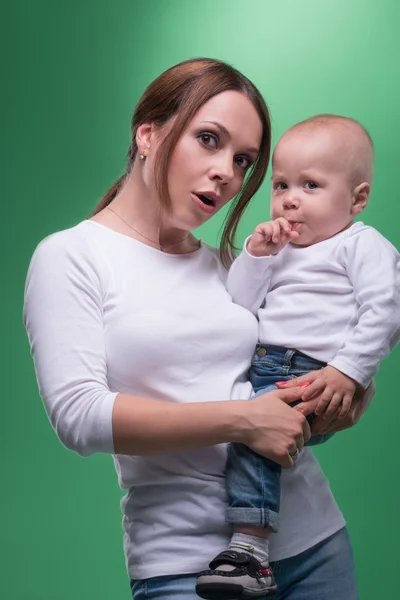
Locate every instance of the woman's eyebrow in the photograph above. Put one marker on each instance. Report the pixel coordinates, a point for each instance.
(221, 127)
(226, 132)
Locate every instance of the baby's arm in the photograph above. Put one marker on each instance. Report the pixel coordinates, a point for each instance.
(373, 267)
(249, 276)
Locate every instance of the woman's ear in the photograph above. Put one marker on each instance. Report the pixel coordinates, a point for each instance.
(360, 197)
(144, 137)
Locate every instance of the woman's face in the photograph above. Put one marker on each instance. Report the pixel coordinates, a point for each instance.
(210, 161)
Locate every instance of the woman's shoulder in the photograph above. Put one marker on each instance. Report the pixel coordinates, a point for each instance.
(75, 245)
(215, 252)
(75, 236)
(215, 256)
(67, 260)
(83, 237)
(211, 250)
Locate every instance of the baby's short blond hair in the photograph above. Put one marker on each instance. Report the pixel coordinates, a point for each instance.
(351, 138)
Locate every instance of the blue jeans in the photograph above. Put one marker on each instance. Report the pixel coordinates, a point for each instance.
(253, 482)
(323, 572)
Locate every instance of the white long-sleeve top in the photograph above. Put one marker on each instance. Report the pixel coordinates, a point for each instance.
(337, 301)
(106, 314)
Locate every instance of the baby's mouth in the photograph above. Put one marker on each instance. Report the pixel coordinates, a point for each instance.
(295, 225)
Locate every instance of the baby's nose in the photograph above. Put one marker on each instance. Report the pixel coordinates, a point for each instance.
(290, 201)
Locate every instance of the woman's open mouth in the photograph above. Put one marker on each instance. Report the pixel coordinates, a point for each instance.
(207, 202)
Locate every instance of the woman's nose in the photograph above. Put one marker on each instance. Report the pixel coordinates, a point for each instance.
(223, 169)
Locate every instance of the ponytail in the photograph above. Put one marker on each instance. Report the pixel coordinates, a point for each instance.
(109, 195)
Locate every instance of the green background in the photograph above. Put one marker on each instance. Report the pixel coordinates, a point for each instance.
(72, 73)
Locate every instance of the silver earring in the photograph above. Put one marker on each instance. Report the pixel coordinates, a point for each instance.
(142, 155)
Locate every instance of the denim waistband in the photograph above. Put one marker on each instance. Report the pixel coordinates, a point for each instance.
(289, 357)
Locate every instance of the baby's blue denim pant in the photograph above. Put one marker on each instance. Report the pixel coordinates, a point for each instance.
(253, 482)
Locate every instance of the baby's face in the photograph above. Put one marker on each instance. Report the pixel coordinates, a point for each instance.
(311, 186)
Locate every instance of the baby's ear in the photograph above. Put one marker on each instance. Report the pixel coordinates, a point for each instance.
(360, 197)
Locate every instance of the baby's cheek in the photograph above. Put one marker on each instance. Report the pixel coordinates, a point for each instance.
(275, 212)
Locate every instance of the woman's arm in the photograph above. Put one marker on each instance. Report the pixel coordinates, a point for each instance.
(143, 426)
(64, 319)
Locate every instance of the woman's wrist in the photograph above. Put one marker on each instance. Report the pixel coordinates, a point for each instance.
(235, 421)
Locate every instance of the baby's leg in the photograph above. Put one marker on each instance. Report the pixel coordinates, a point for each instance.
(253, 488)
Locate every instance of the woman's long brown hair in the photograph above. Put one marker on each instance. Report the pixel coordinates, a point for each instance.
(180, 92)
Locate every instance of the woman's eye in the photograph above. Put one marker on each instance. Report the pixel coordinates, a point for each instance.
(208, 139)
(244, 162)
(310, 185)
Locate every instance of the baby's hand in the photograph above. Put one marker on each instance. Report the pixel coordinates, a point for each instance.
(270, 237)
(335, 391)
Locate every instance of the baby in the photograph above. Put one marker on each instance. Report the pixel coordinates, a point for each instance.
(326, 292)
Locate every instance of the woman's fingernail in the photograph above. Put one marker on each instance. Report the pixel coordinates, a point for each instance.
(305, 384)
(281, 383)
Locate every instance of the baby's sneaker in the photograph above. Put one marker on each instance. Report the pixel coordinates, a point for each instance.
(233, 575)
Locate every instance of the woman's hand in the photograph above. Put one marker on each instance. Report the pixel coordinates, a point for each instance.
(274, 429)
(331, 424)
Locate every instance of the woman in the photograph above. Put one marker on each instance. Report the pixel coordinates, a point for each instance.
(140, 352)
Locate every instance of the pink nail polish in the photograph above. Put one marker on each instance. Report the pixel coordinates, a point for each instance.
(305, 384)
(281, 383)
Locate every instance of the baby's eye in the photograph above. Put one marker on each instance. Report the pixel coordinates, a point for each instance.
(208, 139)
(280, 185)
(310, 185)
(244, 162)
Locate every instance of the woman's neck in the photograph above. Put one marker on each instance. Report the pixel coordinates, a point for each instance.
(135, 211)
